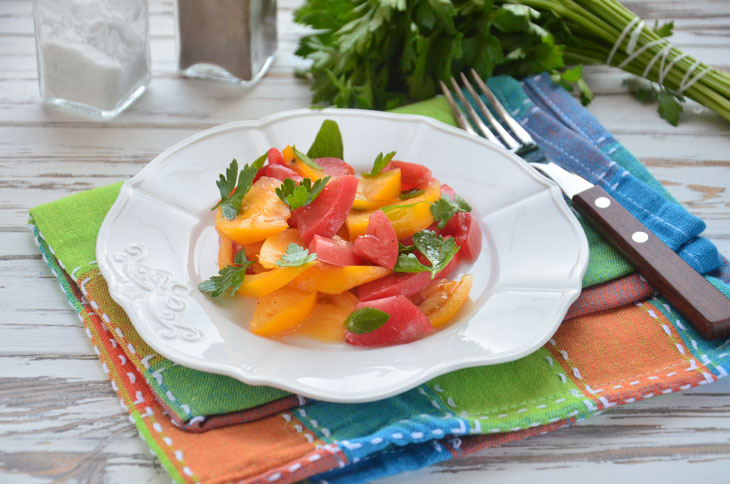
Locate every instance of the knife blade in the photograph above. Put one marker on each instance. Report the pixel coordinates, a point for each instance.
(701, 303)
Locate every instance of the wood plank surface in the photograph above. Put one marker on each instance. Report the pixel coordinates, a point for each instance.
(60, 421)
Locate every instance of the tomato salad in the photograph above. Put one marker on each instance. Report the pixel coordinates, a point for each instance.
(339, 257)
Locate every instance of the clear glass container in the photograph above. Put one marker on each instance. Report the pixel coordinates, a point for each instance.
(226, 40)
(93, 55)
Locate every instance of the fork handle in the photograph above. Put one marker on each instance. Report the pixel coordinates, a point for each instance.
(701, 303)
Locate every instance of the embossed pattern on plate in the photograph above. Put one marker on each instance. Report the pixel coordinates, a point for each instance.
(158, 242)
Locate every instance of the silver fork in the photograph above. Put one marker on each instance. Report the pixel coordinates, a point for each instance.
(699, 301)
(503, 137)
(518, 141)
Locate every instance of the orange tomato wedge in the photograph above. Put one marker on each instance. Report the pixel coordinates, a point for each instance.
(262, 214)
(444, 298)
(329, 279)
(292, 161)
(376, 191)
(407, 216)
(264, 283)
(275, 246)
(228, 249)
(326, 322)
(281, 311)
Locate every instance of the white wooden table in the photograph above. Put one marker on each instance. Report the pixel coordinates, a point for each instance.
(59, 418)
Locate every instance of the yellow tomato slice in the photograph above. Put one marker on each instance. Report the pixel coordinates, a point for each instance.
(444, 298)
(225, 251)
(376, 191)
(407, 216)
(275, 246)
(262, 214)
(281, 311)
(326, 322)
(266, 282)
(329, 279)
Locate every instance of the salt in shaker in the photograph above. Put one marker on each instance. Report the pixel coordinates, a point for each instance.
(229, 40)
(93, 55)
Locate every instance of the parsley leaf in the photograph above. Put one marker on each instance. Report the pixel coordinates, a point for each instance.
(573, 77)
(669, 106)
(297, 195)
(366, 320)
(231, 199)
(409, 263)
(380, 163)
(305, 159)
(664, 30)
(229, 278)
(388, 208)
(296, 256)
(328, 142)
(438, 250)
(445, 208)
(412, 193)
(403, 249)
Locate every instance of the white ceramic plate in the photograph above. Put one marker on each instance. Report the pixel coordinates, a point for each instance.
(158, 243)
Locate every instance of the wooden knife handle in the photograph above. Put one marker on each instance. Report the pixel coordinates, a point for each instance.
(701, 303)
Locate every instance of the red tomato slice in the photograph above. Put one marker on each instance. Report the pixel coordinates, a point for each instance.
(447, 191)
(407, 323)
(274, 157)
(280, 172)
(380, 243)
(334, 166)
(465, 229)
(327, 213)
(412, 175)
(335, 251)
(396, 284)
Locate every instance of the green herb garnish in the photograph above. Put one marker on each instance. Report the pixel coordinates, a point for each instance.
(305, 159)
(233, 186)
(412, 193)
(388, 208)
(229, 279)
(408, 262)
(297, 195)
(328, 142)
(445, 208)
(296, 256)
(403, 249)
(438, 251)
(366, 320)
(380, 163)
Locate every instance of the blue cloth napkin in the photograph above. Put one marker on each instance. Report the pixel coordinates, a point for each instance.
(557, 121)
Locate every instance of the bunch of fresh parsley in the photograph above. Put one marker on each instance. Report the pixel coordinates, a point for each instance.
(379, 54)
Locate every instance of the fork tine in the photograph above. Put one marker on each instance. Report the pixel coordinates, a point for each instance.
(458, 114)
(511, 143)
(472, 115)
(514, 126)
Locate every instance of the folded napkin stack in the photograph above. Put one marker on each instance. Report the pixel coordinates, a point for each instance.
(620, 343)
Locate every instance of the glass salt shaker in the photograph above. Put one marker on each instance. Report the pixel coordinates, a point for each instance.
(93, 55)
(227, 40)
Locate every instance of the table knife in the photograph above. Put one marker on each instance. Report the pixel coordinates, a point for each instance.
(701, 303)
